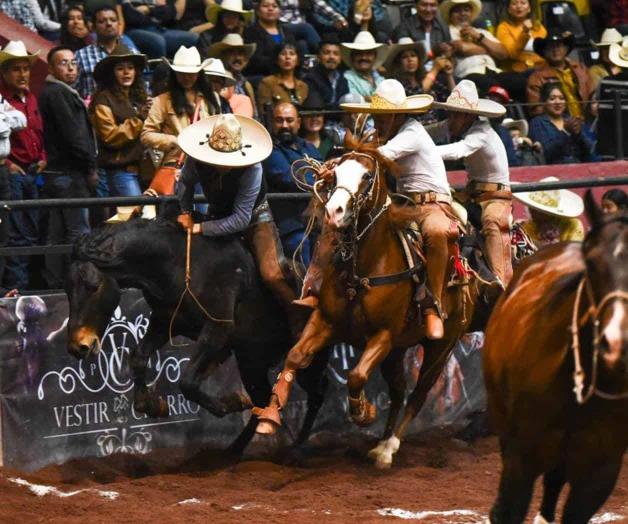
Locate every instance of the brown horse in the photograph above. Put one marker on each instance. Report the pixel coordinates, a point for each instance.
(556, 372)
(366, 299)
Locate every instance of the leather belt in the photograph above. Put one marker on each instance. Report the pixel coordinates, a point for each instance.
(474, 186)
(429, 197)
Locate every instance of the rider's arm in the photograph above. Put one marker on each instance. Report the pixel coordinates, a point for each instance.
(240, 218)
(403, 144)
(185, 190)
(471, 143)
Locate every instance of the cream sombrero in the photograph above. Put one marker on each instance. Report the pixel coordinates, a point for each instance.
(364, 41)
(405, 43)
(618, 53)
(226, 140)
(448, 5)
(521, 125)
(215, 67)
(390, 97)
(230, 41)
(464, 99)
(559, 202)
(187, 60)
(609, 36)
(233, 6)
(16, 49)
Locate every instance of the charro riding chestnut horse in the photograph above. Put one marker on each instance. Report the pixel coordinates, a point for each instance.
(556, 372)
(367, 300)
(234, 311)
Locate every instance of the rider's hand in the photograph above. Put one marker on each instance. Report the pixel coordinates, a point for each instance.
(185, 219)
(14, 169)
(196, 229)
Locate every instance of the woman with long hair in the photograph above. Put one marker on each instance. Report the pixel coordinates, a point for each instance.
(516, 32)
(74, 31)
(118, 110)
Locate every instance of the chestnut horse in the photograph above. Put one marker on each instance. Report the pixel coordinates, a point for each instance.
(366, 299)
(556, 372)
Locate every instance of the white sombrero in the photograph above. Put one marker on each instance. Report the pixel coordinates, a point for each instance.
(230, 41)
(125, 213)
(521, 125)
(405, 43)
(559, 202)
(233, 6)
(226, 140)
(464, 99)
(364, 41)
(16, 49)
(448, 5)
(215, 67)
(609, 36)
(390, 97)
(187, 60)
(618, 53)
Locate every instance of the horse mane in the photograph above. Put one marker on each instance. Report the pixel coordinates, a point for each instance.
(358, 145)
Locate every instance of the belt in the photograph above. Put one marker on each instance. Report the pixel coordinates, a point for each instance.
(474, 186)
(429, 197)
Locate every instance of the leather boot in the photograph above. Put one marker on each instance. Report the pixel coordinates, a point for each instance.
(434, 327)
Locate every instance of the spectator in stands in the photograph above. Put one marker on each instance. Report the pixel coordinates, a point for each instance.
(614, 201)
(476, 50)
(283, 85)
(363, 56)
(147, 24)
(267, 32)
(174, 110)
(610, 87)
(356, 123)
(605, 67)
(192, 16)
(369, 15)
(71, 150)
(227, 18)
(528, 153)
(27, 158)
(219, 78)
(325, 77)
(617, 15)
(293, 17)
(28, 13)
(501, 96)
(288, 147)
(562, 138)
(107, 27)
(517, 33)
(235, 55)
(313, 124)
(405, 63)
(74, 31)
(573, 77)
(118, 110)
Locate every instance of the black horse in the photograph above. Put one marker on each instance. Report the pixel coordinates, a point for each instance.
(245, 319)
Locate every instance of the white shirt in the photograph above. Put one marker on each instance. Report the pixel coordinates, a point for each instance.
(481, 148)
(474, 64)
(421, 167)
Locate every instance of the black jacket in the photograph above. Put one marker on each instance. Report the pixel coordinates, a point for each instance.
(318, 80)
(262, 61)
(68, 134)
(606, 127)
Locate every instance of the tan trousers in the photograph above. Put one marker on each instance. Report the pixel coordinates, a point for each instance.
(496, 230)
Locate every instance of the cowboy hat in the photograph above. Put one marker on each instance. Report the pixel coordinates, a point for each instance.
(609, 36)
(448, 5)
(16, 49)
(405, 43)
(120, 53)
(226, 140)
(215, 67)
(364, 41)
(521, 125)
(187, 60)
(233, 6)
(230, 41)
(566, 37)
(618, 53)
(390, 97)
(464, 99)
(126, 213)
(559, 202)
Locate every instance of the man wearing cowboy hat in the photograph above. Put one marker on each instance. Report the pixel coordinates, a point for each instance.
(363, 56)
(486, 161)
(573, 77)
(27, 158)
(605, 67)
(225, 154)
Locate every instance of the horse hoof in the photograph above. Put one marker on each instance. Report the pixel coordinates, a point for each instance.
(383, 464)
(269, 420)
(266, 428)
(365, 416)
(377, 450)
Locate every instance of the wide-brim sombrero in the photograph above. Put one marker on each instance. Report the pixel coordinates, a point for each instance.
(558, 202)
(484, 107)
(412, 104)
(216, 50)
(104, 68)
(396, 49)
(16, 50)
(364, 41)
(446, 7)
(521, 125)
(256, 142)
(618, 54)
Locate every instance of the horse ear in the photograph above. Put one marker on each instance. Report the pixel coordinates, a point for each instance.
(592, 210)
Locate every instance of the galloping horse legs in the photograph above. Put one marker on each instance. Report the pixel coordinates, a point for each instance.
(377, 348)
(316, 335)
(553, 482)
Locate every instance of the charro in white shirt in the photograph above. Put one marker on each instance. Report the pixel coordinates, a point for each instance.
(422, 168)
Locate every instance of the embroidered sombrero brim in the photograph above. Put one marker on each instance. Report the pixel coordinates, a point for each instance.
(485, 107)
(413, 104)
(569, 204)
(257, 144)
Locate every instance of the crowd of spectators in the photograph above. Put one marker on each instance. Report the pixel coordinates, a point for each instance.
(111, 108)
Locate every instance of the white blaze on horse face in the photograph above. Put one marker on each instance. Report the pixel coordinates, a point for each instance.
(348, 178)
(615, 332)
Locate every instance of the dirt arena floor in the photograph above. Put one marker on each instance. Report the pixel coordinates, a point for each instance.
(435, 480)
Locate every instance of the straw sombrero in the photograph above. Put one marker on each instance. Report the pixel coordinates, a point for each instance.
(364, 41)
(230, 41)
(618, 53)
(559, 202)
(405, 43)
(187, 60)
(390, 97)
(16, 49)
(233, 6)
(521, 125)
(226, 140)
(121, 53)
(464, 99)
(448, 5)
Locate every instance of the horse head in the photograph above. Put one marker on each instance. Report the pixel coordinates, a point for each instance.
(605, 251)
(93, 297)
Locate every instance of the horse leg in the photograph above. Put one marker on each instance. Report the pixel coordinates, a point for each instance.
(316, 335)
(553, 482)
(590, 491)
(377, 348)
(393, 372)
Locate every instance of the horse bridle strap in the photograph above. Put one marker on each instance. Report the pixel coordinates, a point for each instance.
(592, 313)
